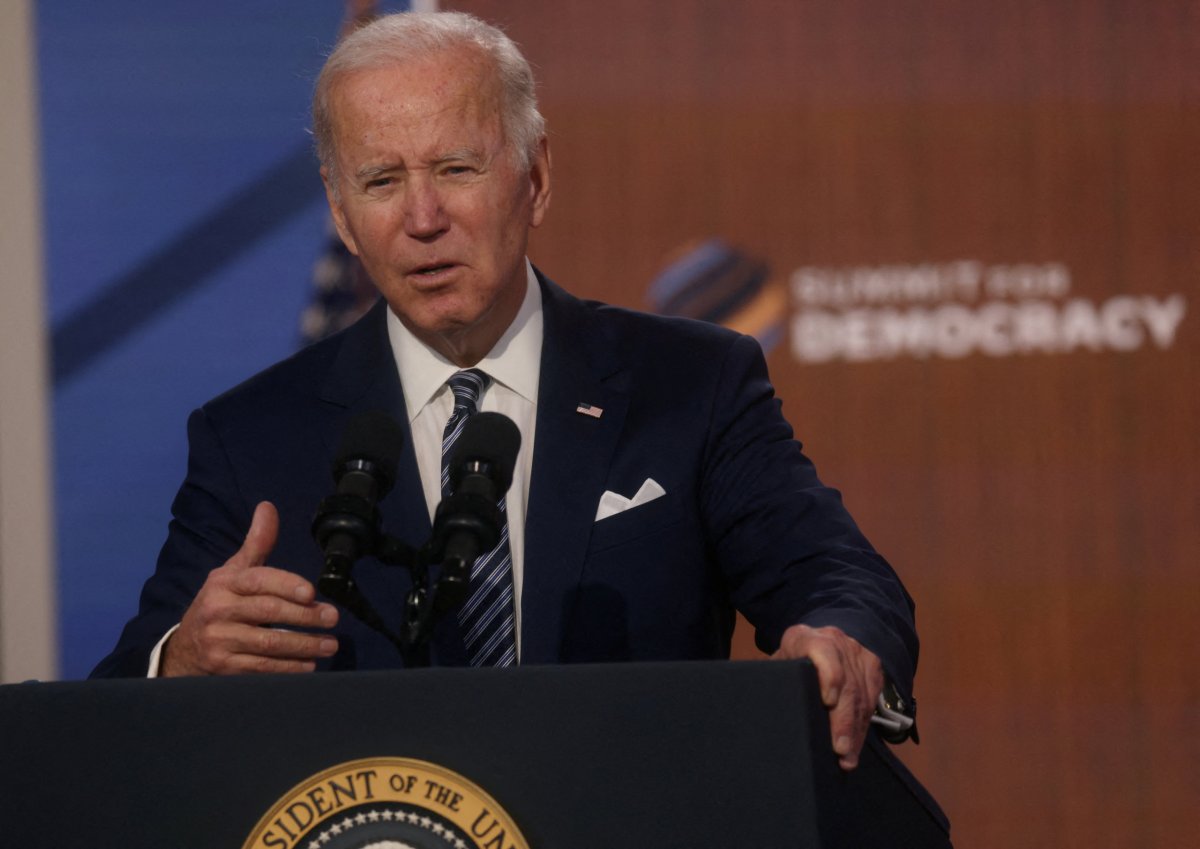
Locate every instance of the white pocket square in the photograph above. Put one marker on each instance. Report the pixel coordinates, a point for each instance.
(612, 504)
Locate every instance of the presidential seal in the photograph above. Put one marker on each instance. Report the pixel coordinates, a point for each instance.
(386, 803)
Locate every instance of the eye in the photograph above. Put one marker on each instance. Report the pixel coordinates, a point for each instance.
(379, 182)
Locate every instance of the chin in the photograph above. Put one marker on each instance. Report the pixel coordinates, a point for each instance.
(433, 313)
(445, 324)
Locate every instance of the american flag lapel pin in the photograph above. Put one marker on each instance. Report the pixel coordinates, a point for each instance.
(589, 410)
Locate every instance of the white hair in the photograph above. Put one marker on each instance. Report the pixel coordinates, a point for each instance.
(394, 39)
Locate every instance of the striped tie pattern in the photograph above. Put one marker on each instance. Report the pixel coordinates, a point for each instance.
(486, 616)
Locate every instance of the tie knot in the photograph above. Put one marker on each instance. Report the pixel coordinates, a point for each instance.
(467, 386)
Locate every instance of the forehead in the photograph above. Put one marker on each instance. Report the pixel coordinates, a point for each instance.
(449, 93)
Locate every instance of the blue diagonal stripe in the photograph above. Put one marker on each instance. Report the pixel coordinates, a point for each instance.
(125, 304)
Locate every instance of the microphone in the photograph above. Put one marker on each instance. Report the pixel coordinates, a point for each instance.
(347, 523)
(468, 522)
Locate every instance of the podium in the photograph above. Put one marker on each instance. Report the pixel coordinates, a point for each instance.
(729, 754)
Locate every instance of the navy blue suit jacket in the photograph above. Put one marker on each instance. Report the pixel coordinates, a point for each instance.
(744, 523)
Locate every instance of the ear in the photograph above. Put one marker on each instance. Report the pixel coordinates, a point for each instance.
(338, 213)
(539, 182)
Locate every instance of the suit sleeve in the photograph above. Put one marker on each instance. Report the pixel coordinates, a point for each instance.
(787, 547)
(209, 521)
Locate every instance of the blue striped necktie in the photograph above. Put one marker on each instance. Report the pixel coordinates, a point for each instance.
(486, 616)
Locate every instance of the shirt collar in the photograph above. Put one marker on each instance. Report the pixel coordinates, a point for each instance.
(513, 361)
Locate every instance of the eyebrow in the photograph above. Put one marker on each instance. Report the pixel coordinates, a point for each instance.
(464, 153)
(369, 171)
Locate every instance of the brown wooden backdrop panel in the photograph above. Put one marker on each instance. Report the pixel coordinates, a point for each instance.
(1043, 509)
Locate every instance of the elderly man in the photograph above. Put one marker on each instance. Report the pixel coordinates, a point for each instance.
(657, 487)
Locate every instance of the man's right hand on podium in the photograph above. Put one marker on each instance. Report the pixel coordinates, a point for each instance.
(239, 621)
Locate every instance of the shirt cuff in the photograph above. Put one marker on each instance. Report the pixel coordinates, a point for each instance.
(156, 654)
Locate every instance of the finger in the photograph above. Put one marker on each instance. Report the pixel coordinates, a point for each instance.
(827, 657)
(269, 581)
(850, 719)
(282, 644)
(273, 610)
(245, 664)
(841, 692)
(848, 725)
(230, 645)
(248, 664)
(260, 539)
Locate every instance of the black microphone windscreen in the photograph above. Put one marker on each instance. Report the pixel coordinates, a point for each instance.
(490, 438)
(375, 437)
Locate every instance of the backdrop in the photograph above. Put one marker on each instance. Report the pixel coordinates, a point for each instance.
(981, 227)
(966, 235)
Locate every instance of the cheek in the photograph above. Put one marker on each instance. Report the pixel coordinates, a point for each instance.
(373, 234)
(373, 225)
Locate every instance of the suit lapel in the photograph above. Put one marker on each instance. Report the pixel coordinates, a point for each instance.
(363, 378)
(572, 454)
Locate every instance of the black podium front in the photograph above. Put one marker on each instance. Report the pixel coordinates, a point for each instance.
(630, 755)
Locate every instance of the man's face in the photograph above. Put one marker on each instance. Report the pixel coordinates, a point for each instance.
(431, 200)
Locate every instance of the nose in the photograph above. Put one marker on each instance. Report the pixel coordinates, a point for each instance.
(424, 215)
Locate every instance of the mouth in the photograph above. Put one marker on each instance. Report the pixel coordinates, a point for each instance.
(432, 270)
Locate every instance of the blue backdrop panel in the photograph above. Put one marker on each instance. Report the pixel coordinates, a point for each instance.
(183, 216)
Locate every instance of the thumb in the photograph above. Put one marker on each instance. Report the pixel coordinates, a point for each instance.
(260, 539)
